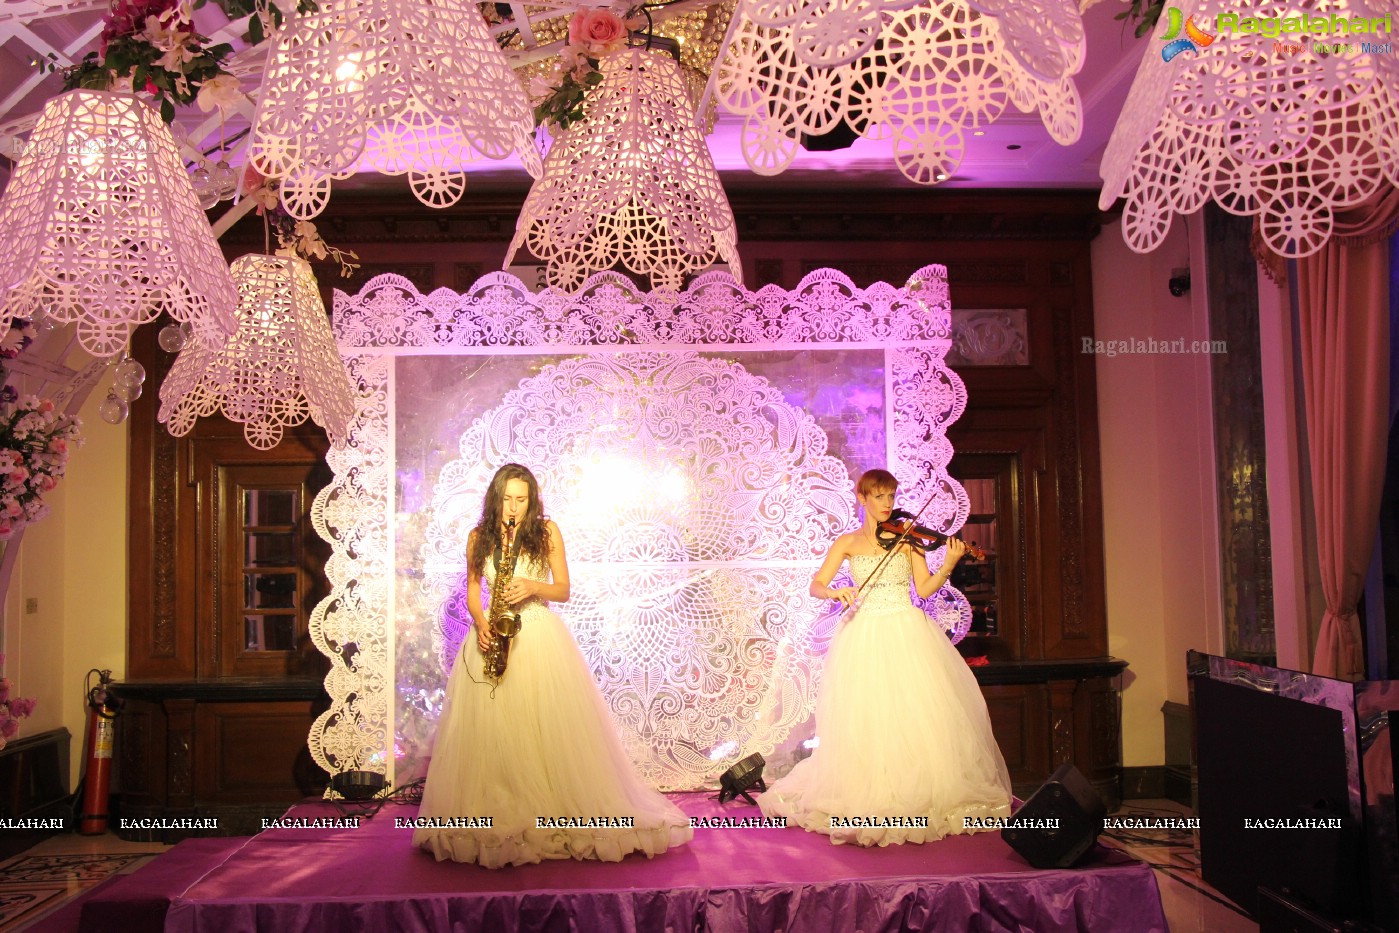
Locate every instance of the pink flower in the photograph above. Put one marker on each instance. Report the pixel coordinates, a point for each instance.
(46, 483)
(600, 31)
(46, 405)
(5, 688)
(21, 707)
(6, 530)
(60, 446)
(9, 728)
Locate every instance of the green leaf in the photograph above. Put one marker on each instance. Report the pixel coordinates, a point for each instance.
(255, 29)
(167, 110)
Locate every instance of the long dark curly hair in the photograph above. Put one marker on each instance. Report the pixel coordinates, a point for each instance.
(532, 534)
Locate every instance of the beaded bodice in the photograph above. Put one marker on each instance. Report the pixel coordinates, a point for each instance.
(524, 567)
(891, 589)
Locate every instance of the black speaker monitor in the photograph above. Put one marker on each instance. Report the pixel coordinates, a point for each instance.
(1060, 821)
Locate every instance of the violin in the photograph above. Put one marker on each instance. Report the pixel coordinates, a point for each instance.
(900, 524)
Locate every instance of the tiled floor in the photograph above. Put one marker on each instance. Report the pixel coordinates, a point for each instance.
(34, 883)
(1190, 904)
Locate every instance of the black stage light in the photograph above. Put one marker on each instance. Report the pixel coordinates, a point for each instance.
(1069, 798)
(358, 785)
(736, 781)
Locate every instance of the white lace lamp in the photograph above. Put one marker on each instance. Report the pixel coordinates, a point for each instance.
(914, 73)
(632, 182)
(100, 225)
(279, 368)
(396, 86)
(1265, 126)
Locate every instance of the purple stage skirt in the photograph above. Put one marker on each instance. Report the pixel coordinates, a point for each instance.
(372, 879)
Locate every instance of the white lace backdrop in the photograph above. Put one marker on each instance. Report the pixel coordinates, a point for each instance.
(697, 449)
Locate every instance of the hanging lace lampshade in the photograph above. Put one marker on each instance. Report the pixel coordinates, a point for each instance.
(632, 182)
(1289, 129)
(99, 225)
(914, 73)
(279, 367)
(396, 86)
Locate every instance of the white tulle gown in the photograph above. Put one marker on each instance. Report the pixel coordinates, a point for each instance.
(903, 729)
(544, 746)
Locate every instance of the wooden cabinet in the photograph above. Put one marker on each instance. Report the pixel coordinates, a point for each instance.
(231, 750)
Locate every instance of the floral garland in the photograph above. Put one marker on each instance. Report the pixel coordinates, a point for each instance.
(592, 33)
(151, 46)
(294, 237)
(35, 441)
(12, 709)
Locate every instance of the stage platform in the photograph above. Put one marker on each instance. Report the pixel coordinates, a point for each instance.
(372, 879)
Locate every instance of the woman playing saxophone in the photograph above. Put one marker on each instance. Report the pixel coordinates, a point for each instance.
(540, 744)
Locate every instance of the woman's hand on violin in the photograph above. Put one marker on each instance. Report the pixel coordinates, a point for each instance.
(483, 637)
(521, 589)
(845, 595)
(956, 550)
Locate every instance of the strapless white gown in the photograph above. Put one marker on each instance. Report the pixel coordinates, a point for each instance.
(543, 746)
(903, 729)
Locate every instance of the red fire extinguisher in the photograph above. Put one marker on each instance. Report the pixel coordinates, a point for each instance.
(102, 710)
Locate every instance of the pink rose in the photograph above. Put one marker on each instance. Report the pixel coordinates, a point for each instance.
(60, 446)
(46, 483)
(46, 405)
(9, 728)
(600, 31)
(21, 707)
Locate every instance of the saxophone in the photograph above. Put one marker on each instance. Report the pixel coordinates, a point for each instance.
(504, 620)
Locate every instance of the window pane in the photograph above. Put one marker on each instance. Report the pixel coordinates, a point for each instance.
(269, 591)
(270, 506)
(269, 633)
(270, 549)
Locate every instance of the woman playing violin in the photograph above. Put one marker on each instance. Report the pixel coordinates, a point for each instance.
(875, 493)
(903, 729)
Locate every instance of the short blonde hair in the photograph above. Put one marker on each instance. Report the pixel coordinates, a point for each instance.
(872, 481)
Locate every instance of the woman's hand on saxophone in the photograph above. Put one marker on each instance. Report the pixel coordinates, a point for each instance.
(520, 589)
(483, 636)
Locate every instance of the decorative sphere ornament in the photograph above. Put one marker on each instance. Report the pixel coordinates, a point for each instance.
(224, 180)
(203, 182)
(129, 373)
(42, 322)
(113, 409)
(172, 338)
(129, 392)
